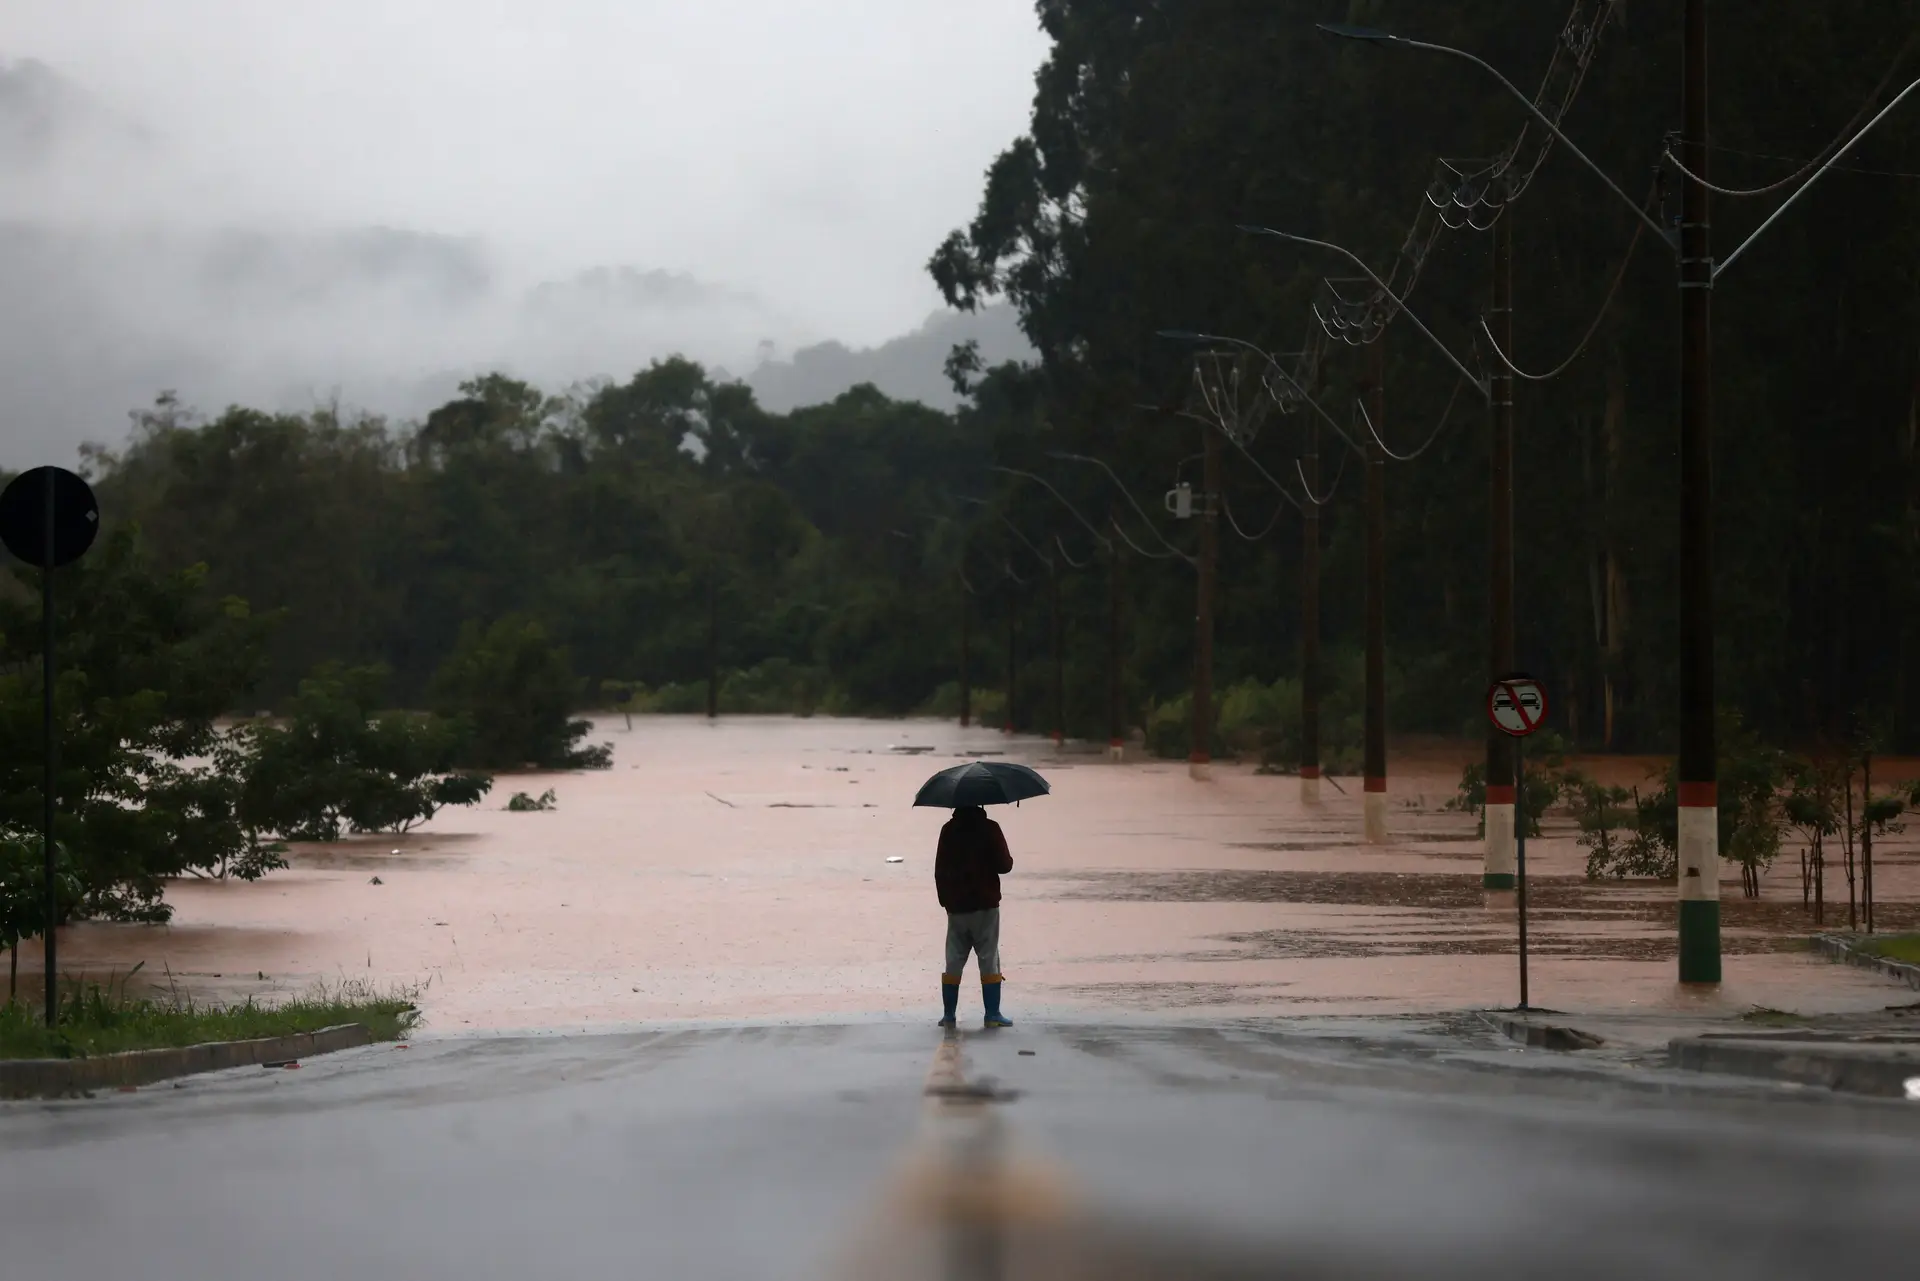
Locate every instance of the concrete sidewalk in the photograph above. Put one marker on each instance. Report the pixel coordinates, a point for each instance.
(1874, 1054)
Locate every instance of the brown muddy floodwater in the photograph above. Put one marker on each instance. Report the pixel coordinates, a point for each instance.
(739, 870)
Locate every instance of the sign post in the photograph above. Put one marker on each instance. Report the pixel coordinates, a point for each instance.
(48, 518)
(1517, 706)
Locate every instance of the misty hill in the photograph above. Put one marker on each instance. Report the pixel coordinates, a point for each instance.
(909, 367)
(119, 283)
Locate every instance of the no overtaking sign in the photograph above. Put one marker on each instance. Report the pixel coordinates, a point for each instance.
(1517, 705)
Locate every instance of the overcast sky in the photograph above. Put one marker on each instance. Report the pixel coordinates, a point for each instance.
(810, 151)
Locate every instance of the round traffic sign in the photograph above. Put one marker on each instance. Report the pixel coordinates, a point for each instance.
(1517, 705)
(23, 517)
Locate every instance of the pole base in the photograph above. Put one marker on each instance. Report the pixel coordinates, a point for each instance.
(1309, 789)
(1699, 940)
(1117, 750)
(1373, 809)
(1499, 859)
(1200, 771)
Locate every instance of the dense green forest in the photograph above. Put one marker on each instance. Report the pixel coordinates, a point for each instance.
(1158, 127)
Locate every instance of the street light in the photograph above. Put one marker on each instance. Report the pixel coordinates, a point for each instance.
(1482, 385)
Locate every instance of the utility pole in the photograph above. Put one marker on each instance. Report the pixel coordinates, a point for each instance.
(713, 643)
(1699, 854)
(1200, 759)
(1374, 796)
(966, 652)
(1116, 729)
(1502, 792)
(1012, 668)
(1310, 616)
(1059, 673)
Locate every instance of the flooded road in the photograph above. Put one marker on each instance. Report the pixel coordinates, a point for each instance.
(740, 870)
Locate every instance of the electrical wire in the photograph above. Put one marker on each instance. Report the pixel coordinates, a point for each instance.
(1826, 152)
(1407, 458)
(1091, 529)
(1278, 512)
(1764, 155)
(1068, 556)
(1592, 329)
(1331, 489)
(1145, 519)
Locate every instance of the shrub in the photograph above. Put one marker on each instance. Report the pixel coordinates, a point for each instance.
(513, 689)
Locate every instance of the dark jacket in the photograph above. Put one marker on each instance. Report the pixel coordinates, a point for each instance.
(972, 856)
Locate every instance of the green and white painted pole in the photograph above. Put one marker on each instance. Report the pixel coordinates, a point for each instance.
(1698, 764)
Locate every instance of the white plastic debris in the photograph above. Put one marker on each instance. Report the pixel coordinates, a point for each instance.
(1913, 1089)
(895, 858)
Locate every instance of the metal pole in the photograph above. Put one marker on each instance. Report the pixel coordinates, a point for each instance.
(48, 746)
(1310, 622)
(966, 647)
(1699, 879)
(1498, 870)
(1059, 674)
(1520, 866)
(1374, 797)
(1200, 759)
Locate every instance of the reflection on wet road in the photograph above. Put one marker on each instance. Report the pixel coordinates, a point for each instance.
(882, 1150)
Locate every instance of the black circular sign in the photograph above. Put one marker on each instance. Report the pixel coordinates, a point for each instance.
(23, 517)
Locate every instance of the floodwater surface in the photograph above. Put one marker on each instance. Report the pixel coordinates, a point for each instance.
(739, 870)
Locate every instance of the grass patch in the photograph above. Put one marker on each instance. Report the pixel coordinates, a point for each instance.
(93, 1019)
(1770, 1017)
(1895, 947)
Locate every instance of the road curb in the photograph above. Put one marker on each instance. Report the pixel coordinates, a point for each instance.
(44, 1078)
(1541, 1036)
(1839, 948)
(1878, 1070)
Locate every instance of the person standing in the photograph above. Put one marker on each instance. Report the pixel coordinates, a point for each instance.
(967, 868)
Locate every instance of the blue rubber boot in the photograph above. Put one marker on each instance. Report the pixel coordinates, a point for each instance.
(949, 998)
(990, 994)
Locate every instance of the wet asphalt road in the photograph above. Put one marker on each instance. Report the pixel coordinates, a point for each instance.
(877, 1149)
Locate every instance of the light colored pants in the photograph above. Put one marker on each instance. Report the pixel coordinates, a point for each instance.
(976, 932)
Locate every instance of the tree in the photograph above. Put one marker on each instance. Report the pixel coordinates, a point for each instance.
(147, 663)
(338, 764)
(23, 895)
(515, 692)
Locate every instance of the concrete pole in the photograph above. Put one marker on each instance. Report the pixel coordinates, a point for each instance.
(1503, 784)
(1699, 824)
(1310, 622)
(1200, 759)
(1374, 782)
(966, 654)
(1116, 725)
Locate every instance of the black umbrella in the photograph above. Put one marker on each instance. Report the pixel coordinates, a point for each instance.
(981, 783)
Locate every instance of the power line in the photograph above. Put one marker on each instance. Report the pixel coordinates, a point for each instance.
(1367, 418)
(1278, 512)
(1592, 329)
(1763, 155)
(1141, 511)
(1825, 152)
(1331, 489)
